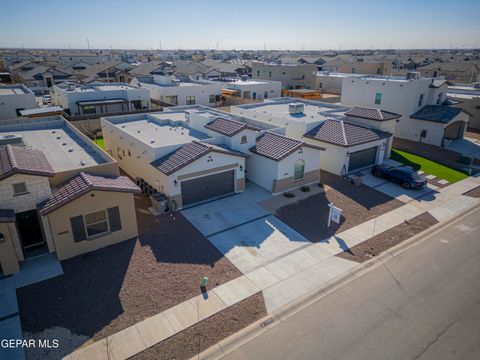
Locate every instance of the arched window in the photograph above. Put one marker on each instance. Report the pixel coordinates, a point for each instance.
(244, 139)
(299, 170)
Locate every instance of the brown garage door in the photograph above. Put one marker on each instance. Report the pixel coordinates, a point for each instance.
(362, 158)
(207, 187)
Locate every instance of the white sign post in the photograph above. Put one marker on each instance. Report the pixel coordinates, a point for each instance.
(334, 214)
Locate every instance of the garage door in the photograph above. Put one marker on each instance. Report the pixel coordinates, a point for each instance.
(362, 158)
(206, 187)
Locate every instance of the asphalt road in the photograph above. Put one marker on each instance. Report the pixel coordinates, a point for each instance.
(423, 304)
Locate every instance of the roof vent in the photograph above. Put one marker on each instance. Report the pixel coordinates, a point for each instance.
(70, 150)
(53, 132)
(295, 108)
(152, 141)
(64, 144)
(11, 139)
(413, 75)
(82, 163)
(59, 137)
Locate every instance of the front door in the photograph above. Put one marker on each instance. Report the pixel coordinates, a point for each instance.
(30, 232)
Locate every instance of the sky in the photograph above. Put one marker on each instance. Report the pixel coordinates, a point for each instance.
(246, 24)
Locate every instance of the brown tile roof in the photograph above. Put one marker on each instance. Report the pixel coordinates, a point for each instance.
(82, 184)
(371, 113)
(343, 133)
(277, 147)
(16, 160)
(187, 154)
(228, 127)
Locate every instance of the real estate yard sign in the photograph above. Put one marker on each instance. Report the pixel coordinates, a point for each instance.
(334, 214)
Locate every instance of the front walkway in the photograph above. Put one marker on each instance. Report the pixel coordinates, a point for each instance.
(281, 281)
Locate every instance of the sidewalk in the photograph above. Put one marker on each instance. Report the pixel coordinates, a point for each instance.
(281, 281)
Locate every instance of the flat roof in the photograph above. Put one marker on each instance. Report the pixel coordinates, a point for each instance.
(159, 129)
(13, 90)
(313, 110)
(63, 147)
(41, 110)
(91, 88)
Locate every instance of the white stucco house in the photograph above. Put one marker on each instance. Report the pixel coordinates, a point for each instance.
(422, 103)
(195, 154)
(15, 98)
(352, 138)
(253, 89)
(168, 90)
(99, 99)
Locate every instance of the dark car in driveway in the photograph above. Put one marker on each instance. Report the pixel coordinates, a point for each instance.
(401, 175)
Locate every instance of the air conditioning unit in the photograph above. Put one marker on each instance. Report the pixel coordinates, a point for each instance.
(295, 108)
(15, 140)
(413, 75)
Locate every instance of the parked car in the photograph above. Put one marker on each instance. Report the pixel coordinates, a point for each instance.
(47, 99)
(402, 175)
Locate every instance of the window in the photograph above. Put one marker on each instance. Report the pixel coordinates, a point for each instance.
(269, 74)
(265, 95)
(299, 170)
(258, 72)
(353, 70)
(20, 189)
(96, 223)
(420, 100)
(320, 85)
(172, 100)
(211, 99)
(439, 100)
(378, 98)
(190, 100)
(244, 139)
(89, 109)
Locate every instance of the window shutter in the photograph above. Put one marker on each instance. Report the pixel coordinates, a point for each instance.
(78, 228)
(114, 218)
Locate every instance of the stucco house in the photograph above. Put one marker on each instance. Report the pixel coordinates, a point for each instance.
(59, 193)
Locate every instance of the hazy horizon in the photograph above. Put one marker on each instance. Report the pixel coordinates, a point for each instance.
(271, 25)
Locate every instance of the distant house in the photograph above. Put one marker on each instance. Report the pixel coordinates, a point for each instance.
(151, 68)
(111, 71)
(194, 70)
(101, 99)
(461, 71)
(14, 99)
(359, 66)
(425, 115)
(291, 76)
(38, 77)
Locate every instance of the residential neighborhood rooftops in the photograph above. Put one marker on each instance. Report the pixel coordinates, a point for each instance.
(228, 127)
(371, 113)
(186, 154)
(276, 147)
(16, 160)
(437, 113)
(339, 132)
(64, 147)
(83, 183)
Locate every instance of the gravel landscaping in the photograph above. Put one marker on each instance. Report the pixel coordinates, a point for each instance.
(384, 241)
(359, 204)
(208, 332)
(474, 192)
(115, 287)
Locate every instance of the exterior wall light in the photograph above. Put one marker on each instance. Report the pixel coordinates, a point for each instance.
(175, 182)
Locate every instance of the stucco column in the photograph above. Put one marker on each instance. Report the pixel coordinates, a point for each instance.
(48, 233)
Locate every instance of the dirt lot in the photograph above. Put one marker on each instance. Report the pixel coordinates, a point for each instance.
(384, 241)
(112, 288)
(201, 336)
(359, 204)
(474, 192)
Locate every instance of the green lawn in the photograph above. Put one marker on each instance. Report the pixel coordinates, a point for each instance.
(428, 166)
(99, 142)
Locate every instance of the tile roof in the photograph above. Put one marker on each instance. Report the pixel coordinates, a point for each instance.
(343, 133)
(82, 184)
(371, 113)
(7, 215)
(187, 154)
(437, 113)
(277, 147)
(228, 127)
(16, 160)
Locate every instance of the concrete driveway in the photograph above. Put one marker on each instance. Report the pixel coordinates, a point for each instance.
(248, 235)
(396, 191)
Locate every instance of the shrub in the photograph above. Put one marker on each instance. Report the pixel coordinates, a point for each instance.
(305, 188)
(289, 195)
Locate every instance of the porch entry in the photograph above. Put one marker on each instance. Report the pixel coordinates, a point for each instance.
(30, 232)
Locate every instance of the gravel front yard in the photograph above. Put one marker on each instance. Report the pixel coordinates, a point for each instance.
(112, 288)
(208, 332)
(359, 204)
(384, 241)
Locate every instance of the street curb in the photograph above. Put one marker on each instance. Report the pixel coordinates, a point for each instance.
(255, 329)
